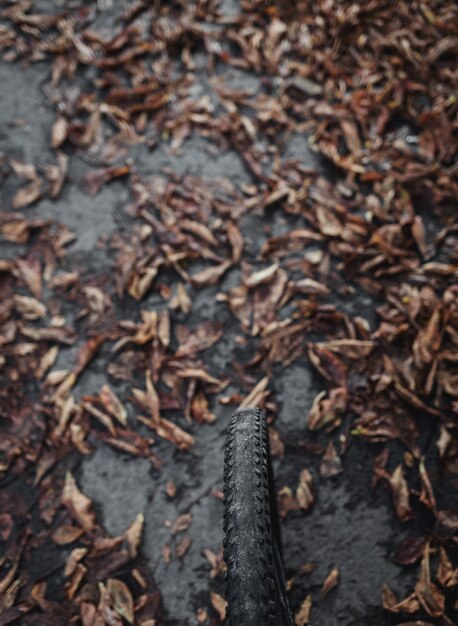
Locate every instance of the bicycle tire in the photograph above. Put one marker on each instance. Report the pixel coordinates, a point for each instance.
(255, 583)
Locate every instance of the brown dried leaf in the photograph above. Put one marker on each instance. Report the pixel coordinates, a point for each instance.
(27, 195)
(182, 523)
(66, 534)
(30, 271)
(29, 308)
(79, 506)
(302, 617)
(262, 276)
(427, 493)
(121, 599)
(349, 348)
(325, 411)
(444, 568)
(56, 174)
(311, 287)
(389, 602)
(211, 275)
(152, 398)
(329, 366)
(200, 410)
(331, 581)
(94, 180)
(305, 493)
(331, 465)
(113, 404)
(257, 394)
(133, 534)
(86, 354)
(182, 548)
(401, 496)
(219, 604)
(410, 550)
(59, 132)
(430, 597)
(170, 431)
(236, 240)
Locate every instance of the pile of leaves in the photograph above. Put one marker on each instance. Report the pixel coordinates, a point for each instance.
(372, 85)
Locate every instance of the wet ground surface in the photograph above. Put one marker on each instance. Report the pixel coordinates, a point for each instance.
(343, 530)
(350, 528)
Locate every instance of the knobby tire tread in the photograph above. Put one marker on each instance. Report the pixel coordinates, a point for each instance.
(248, 550)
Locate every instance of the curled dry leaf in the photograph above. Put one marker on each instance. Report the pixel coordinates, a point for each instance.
(445, 572)
(219, 604)
(93, 181)
(133, 534)
(331, 581)
(331, 465)
(79, 506)
(409, 605)
(170, 431)
(182, 523)
(302, 617)
(56, 174)
(211, 275)
(286, 501)
(329, 366)
(121, 599)
(113, 404)
(171, 489)
(29, 308)
(29, 194)
(427, 493)
(30, 272)
(349, 348)
(428, 594)
(59, 132)
(257, 394)
(262, 276)
(236, 240)
(200, 410)
(401, 496)
(305, 493)
(410, 550)
(183, 546)
(86, 354)
(325, 412)
(311, 287)
(66, 534)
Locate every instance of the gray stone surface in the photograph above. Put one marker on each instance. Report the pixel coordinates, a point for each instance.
(349, 536)
(295, 391)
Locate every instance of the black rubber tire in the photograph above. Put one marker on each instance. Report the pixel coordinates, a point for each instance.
(255, 582)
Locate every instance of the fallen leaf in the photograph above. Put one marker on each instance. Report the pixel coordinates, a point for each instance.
(113, 404)
(429, 596)
(331, 581)
(401, 496)
(331, 465)
(79, 506)
(133, 534)
(183, 546)
(302, 617)
(219, 604)
(305, 493)
(121, 599)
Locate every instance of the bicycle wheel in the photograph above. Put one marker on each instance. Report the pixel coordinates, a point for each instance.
(256, 590)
